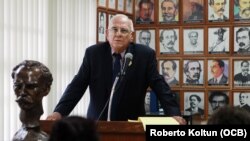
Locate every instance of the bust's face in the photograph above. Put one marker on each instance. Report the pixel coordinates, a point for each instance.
(29, 87)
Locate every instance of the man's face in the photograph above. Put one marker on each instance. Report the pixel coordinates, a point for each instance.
(219, 7)
(145, 38)
(145, 11)
(193, 102)
(29, 87)
(193, 38)
(169, 38)
(220, 35)
(245, 69)
(244, 6)
(168, 11)
(167, 70)
(119, 34)
(216, 70)
(194, 71)
(243, 39)
(243, 98)
(218, 101)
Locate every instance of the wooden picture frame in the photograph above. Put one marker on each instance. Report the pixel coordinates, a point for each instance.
(218, 40)
(120, 5)
(101, 26)
(241, 74)
(146, 37)
(169, 41)
(216, 99)
(218, 11)
(239, 12)
(218, 72)
(170, 70)
(194, 103)
(112, 4)
(241, 40)
(193, 11)
(193, 72)
(168, 12)
(144, 12)
(102, 3)
(242, 99)
(129, 6)
(193, 41)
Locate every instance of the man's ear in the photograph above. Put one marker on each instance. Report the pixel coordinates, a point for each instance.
(131, 37)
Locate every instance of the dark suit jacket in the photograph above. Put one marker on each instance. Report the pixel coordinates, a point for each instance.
(223, 80)
(96, 72)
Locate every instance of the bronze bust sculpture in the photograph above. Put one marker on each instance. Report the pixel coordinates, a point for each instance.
(31, 82)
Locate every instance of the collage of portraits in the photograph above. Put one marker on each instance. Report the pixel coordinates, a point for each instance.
(202, 48)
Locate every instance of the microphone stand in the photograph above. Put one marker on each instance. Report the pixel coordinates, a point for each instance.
(111, 96)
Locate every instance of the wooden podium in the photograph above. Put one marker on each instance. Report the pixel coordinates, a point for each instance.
(111, 131)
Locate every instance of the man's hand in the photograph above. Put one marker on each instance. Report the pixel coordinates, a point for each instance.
(54, 116)
(181, 120)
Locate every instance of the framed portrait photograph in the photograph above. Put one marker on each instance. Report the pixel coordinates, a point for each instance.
(102, 20)
(194, 103)
(218, 10)
(193, 11)
(120, 5)
(169, 41)
(193, 41)
(146, 37)
(170, 70)
(193, 72)
(241, 73)
(129, 6)
(242, 100)
(217, 99)
(111, 4)
(168, 11)
(102, 3)
(218, 72)
(241, 10)
(144, 11)
(241, 40)
(218, 40)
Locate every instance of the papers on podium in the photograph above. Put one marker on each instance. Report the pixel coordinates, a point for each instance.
(155, 121)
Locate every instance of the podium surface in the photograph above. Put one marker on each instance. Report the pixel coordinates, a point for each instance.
(110, 131)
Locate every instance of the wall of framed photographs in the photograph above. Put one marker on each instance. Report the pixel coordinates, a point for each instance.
(202, 47)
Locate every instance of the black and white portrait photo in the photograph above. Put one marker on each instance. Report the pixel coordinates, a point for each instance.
(193, 72)
(111, 4)
(242, 100)
(102, 3)
(193, 41)
(216, 100)
(242, 73)
(218, 40)
(242, 40)
(129, 6)
(120, 5)
(101, 26)
(146, 37)
(218, 10)
(169, 41)
(218, 72)
(194, 103)
(169, 69)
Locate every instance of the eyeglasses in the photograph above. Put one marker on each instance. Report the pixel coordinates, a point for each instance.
(123, 31)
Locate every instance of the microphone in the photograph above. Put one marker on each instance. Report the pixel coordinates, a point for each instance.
(127, 63)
